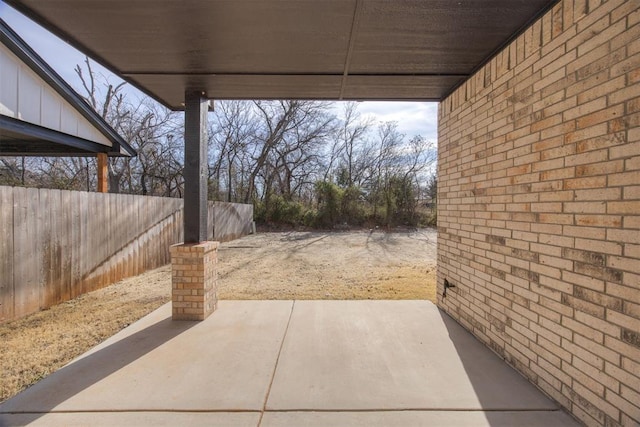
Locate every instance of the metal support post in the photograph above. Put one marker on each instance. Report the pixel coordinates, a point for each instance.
(195, 167)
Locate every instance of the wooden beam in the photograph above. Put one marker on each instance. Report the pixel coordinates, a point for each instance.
(103, 173)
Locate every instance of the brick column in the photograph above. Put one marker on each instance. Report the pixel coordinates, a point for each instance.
(194, 280)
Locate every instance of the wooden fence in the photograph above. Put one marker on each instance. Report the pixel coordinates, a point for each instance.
(230, 220)
(56, 245)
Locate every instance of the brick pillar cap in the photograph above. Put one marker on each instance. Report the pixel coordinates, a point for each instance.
(205, 246)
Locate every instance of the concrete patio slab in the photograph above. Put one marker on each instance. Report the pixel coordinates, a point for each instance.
(342, 355)
(224, 363)
(286, 363)
(418, 418)
(133, 419)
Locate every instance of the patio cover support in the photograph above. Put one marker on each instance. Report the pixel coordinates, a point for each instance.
(193, 263)
(195, 167)
(103, 173)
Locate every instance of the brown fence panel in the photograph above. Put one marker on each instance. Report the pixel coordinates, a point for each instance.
(26, 262)
(231, 220)
(6, 254)
(56, 245)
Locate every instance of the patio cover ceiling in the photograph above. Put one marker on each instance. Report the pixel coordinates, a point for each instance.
(289, 49)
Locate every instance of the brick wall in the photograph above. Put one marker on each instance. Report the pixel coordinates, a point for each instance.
(539, 207)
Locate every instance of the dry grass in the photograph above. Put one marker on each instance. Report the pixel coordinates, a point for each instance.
(37, 345)
(356, 265)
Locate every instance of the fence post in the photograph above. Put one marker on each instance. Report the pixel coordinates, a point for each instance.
(103, 173)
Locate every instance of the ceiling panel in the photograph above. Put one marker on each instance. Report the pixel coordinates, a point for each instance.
(436, 36)
(304, 49)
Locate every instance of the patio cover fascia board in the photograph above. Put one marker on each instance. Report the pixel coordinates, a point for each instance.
(26, 54)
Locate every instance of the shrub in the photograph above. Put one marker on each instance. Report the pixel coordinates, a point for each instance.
(329, 204)
(352, 210)
(278, 210)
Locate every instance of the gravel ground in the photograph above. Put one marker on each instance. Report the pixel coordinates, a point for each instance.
(285, 265)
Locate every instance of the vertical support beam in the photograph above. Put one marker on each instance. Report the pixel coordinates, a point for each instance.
(103, 173)
(193, 263)
(195, 167)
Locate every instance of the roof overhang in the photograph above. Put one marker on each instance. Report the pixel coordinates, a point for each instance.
(289, 49)
(20, 137)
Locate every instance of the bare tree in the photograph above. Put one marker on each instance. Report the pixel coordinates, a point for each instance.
(148, 127)
(231, 133)
(349, 144)
(285, 128)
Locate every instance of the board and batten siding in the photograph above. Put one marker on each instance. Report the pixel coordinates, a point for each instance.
(26, 96)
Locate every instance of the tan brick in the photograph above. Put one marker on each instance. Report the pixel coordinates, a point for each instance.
(585, 281)
(624, 207)
(594, 233)
(587, 110)
(624, 263)
(631, 309)
(602, 38)
(598, 298)
(599, 220)
(585, 379)
(624, 321)
(600, 168)
(632, 148)
(632, 222)
(633, 164)
(631, 366)
(556, 349)
(629, 294)
(627, 235)
(632, 411)
(600, 194)
(557, 174)
(591, 207)
(595, 61)
(586, 182)
(621, 375)
(591, 132)
(624, 94)
(632, 251)
(547, 304)
(633, 397)
(604, 247)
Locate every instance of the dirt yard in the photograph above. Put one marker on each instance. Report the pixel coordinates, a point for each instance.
(314, 265)
(287, 265)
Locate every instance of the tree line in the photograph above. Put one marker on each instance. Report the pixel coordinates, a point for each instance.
(299, 162)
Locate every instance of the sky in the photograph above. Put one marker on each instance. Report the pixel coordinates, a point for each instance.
(413, 118)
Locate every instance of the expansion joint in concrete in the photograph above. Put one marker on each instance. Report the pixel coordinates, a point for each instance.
(275, 367)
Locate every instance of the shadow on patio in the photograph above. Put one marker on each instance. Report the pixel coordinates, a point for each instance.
(268, 363)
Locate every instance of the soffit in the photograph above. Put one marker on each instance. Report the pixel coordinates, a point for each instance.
(289, 49)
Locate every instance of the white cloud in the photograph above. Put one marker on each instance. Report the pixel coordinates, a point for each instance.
(413, 118)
